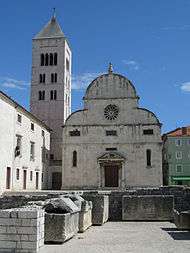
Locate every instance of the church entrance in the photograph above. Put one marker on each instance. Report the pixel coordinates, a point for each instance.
(111, 175)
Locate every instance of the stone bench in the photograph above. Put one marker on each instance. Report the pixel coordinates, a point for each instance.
(147, 207)
(182, 219)
(61, 224)
(21, 230)
(100, 207)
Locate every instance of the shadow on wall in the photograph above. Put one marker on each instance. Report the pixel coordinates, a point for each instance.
(178, 234)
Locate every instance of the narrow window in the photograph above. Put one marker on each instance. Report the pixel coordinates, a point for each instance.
(148, 131)
(75, 158)
(55, 95)
(111, 133)
(178, 154)
(51, 156)
(74, 133)
(43, 95)
(32, 149)
(43, 78)
(47, 60)
(52, 77)
(178, 142)
(111, 149)
(55, 58)
(42, 59)
(19, 118)
(148, 157)
(18, 145)
(31, 175)
(8, 178)
(42, 177)
(179, 168)
(67, 65)
(55, 77)
(40, 95)
(17, 174)
(51, 95)
(32, 126)
(43, 133)
(51, 59)
(37, 180)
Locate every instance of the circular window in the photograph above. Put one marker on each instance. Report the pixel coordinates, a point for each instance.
(111, 112)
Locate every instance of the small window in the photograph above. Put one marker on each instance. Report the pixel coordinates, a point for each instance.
(51, 157)
(43, 78)
(53, 95)
(18, 149)
(46, 60)
(42, 59)
(19, 118)
(55, 77)
(67, 65)
(41, 95)
(179, 168)
(43, 133)
(32, 151)
(31, 175)
(178, 154)
(111, 149)
(55, 59)
(74, 133)
(52, 77)
(17, 174)
(178, 142)
(32, 126)
(148, 157)
(148, 131)
(75, 158)
(111, 133)
(42, 177)
(51, 59)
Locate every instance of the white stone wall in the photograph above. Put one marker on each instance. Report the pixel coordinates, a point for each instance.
(130, 141)
(9, 129)
(21, 230)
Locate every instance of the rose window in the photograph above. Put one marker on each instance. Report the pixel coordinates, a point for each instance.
(111, 112)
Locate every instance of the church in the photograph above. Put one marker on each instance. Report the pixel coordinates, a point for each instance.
(112, 142)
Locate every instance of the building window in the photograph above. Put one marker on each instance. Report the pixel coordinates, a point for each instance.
(51, 59)
(18, 145)
(178, 154)
(179, 168)
(42, 78)
(74, 133)
(46, 60)
(178, 142)
(75, 158)
(53, 95)
(111, 133)
(188, 142)
(54, 77)
(31, 175)
(17, 174)
(111, 149)
(67, 65)
(41, 95)
(43, 133)
(42, 59)
(148, 131)
(55, 59)
(8, 178)
(51, 157)
(148, 157)
(32, 151)
(32, 126)
(42, 177)
(19, 118)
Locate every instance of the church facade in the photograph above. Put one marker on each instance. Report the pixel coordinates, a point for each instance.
(112, 142)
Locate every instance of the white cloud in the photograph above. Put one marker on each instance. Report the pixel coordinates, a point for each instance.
(185, 86)
(83, 80)
(131, 64)
(13, 83)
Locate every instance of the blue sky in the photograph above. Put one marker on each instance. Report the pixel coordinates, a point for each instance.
(147, 41)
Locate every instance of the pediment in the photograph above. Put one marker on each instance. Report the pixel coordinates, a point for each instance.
(111, 156)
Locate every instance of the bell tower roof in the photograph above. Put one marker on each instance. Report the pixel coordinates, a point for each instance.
(51, 30)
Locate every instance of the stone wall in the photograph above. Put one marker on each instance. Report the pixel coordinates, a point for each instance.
(21, 230)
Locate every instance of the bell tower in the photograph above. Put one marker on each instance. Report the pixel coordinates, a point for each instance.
(50, 98)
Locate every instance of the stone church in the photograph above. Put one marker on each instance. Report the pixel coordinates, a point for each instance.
(112, 142)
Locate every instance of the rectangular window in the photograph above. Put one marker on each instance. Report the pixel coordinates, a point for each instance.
(18, 148)
(43, 133)
(148, 131)
(31, 175)
(178, 142)
(148, 157)
(42, 177)
(53, 95)
(51, 156)
(32, 126)
(17, 174)
(8, 178)
(111, 149)
(41, 95)
(179, 168)
(178, 154)
(74, 133)
(19, 118)
(67, 65)
(32, 151)
(111, 133)
(188, 142)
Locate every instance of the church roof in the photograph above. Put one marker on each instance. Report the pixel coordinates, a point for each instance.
(50, 30)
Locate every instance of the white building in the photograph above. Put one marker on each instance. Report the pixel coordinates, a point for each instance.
(24, 148)
(51, 89)
(112, 143)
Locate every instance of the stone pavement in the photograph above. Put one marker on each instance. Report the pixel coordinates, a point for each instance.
(126, 237)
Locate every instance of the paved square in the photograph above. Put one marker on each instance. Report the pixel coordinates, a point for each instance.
(130, 237)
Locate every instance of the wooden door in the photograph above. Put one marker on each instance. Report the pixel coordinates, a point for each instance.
(111, 176)
(24, 179)
(37, 180)
(56, 181)
(8, 178)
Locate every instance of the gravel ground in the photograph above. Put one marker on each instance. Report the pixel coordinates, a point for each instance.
(130, 237)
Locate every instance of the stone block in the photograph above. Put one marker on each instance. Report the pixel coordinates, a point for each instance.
(60, 227)
(100, 208)
(147, 207)
(182, 219)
